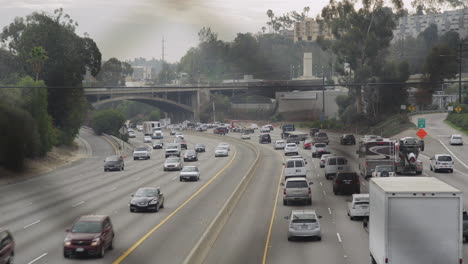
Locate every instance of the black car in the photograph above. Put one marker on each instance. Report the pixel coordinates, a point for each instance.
(190, 155)
(114, 162)
(264, 139)
(348, 139)
(147, 199)
(346, 183)
(7, 247)
(313, 131)
(199, 148)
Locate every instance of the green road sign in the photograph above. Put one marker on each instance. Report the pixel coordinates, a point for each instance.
(421, 123)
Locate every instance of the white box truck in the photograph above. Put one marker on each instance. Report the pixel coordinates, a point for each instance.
(415, 220)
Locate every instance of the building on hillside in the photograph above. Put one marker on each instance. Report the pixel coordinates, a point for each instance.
(453, 20)
(309, 30)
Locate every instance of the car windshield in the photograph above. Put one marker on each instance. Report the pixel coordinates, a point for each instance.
(320, 145)
(146, 193)
(280, 142)
(221, 148)
(86, 227)
(304, 218)
(141, 149)
(347, 176)
(191, 152)
(190, 169)
(456, 137)
(291, 145)
(297, 184)
(172, 160)
(444, 158)
(112, 158)
(362, 203)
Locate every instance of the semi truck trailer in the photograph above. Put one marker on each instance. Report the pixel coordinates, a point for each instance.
(415, 220)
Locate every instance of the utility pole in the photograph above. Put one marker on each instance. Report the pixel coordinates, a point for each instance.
(323, 93)
(460, 72)
(214, 112)
(163, 49)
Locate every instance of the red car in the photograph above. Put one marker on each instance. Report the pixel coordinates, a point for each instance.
(90, 235)
(7, 247)
(307, 144)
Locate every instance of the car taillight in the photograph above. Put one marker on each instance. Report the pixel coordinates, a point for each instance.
(284, 191)
(337, 181)
(386, 260)
(310, 191)
(367, 164)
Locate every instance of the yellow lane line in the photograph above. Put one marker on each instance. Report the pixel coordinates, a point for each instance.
(141, 240)
(116, 150)
(272, 221)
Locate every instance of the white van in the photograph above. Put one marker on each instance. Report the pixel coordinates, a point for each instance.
(295, 168)
(333, 165)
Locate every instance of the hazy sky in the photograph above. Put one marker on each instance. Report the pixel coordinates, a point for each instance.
(134, 28)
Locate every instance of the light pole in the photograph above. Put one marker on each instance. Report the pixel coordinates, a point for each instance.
(323, 93)
(460, 71)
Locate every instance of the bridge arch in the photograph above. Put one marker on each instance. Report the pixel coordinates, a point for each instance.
(181, 111)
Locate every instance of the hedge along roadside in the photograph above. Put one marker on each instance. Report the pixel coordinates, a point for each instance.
(201, 249)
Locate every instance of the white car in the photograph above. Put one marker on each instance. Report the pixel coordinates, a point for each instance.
(245, 136)
(318, 149)
(323, 159)
(189, 173)
(295, 168)
(179, 135)
(221, 151)
(280, 144)
(147, 139)
(265, 129)
(131, 134)
(224, 144)
(359, 206)
(291, 149)
(142, 152)
(456, 140)
(304, 223)
(441, 162)
(383, 171)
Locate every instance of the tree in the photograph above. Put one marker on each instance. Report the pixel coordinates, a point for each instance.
(154, 115)
(361, 36)
(113, 72)
(38, 56)
(69, 58)
(440, 64)
(107, 121)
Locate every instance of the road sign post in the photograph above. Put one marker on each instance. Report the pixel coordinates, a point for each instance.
(421, 123)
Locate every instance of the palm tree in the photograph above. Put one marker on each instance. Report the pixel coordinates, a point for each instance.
(37, 57)
(270, 15)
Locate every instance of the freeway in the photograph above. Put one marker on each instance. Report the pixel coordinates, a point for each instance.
(251, 240)
(38, 211)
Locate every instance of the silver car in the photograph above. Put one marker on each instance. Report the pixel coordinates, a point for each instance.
(297, 189)
(190, 173)
(173, 163)
(291, 149)
(280, 144)
(304, 223)
(224, 144)
(221, 151)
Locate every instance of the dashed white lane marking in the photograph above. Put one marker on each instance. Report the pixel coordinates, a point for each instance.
(27, 204)
(445, 146)
(80, 203)
(321, 184)
(364, 183)
(324, 193)
(113, 189)
(425, 174)
(36, 222)
(339, 237)
(175, 178)
(136, 179)
(329, 210)
(38, 258)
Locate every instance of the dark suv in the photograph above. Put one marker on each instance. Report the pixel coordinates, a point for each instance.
(90, 235)
(114, 162)
(346, 183)
(348, 139)
(7, 247)
(264, 139)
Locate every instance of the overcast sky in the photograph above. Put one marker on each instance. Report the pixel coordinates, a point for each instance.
(134, 28)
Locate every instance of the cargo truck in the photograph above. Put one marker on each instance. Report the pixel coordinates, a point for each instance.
(415, 220)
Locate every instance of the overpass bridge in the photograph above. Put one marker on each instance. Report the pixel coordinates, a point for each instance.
(183, 102)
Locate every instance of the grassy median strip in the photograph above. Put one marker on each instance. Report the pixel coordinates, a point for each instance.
(141, 240)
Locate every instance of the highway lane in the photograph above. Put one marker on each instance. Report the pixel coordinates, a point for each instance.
(39, 210)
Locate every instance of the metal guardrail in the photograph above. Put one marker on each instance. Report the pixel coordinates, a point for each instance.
(427, 112)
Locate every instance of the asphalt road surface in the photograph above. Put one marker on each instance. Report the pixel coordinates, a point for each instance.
(38, 211)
